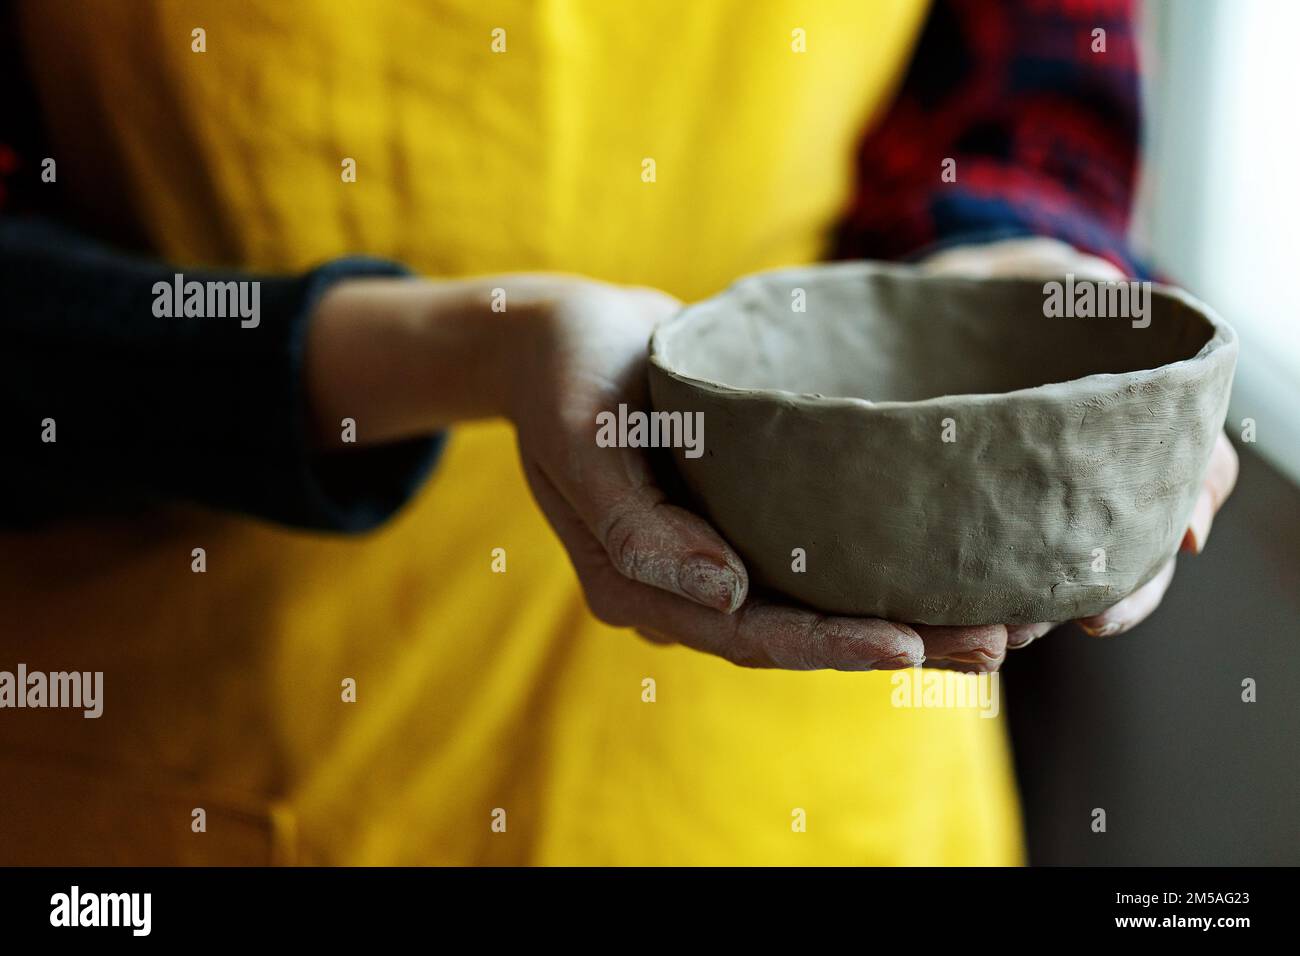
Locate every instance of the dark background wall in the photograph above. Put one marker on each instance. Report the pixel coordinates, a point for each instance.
(1150, 725)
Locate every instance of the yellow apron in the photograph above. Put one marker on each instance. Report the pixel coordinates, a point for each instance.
(481, 697)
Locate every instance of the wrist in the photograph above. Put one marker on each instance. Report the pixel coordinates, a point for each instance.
(397, 356)
(517, 328)
(408, 356)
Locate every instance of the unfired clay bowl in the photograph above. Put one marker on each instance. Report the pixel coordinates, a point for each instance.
(824, 431)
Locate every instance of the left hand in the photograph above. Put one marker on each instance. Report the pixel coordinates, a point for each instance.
(1049, 257)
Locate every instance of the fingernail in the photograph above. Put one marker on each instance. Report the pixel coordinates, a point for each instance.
(1198, 526)
(712, 583)
(1106, 630)
(1019, 635)
(898, 662)
(974, 656)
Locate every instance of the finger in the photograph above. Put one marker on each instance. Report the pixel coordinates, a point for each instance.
(613, 490)
(647, 539)
(960, 668)
(667, 547)
(653, 636)
(1030, 257)
(768, 635)
(759, 635)
(983, 647)
(1022, 635)
(1220, 479)
(1131, 611)
(1198, 525)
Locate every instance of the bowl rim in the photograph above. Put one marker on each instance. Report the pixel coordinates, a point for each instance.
(1223, 340)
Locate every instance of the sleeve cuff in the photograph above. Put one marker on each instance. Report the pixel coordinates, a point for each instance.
(962, 218)
(356, 490)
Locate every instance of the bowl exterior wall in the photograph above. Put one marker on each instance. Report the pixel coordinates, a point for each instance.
(1044, 505)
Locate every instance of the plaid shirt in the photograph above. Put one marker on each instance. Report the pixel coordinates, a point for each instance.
(1043, 131)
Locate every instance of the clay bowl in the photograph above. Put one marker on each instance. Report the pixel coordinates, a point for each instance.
(1077, 445)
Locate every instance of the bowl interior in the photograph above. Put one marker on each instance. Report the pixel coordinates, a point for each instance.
(897, 336)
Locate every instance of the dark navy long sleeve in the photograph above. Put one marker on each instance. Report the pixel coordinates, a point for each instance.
(148, 408)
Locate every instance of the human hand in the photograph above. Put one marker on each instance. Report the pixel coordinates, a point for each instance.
(1038, 257)
(646, 563)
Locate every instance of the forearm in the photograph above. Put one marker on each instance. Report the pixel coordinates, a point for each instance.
(401, 357)
(406, 357)
(105, 403)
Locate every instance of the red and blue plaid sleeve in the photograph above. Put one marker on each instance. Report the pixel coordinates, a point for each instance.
(1041, 122)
